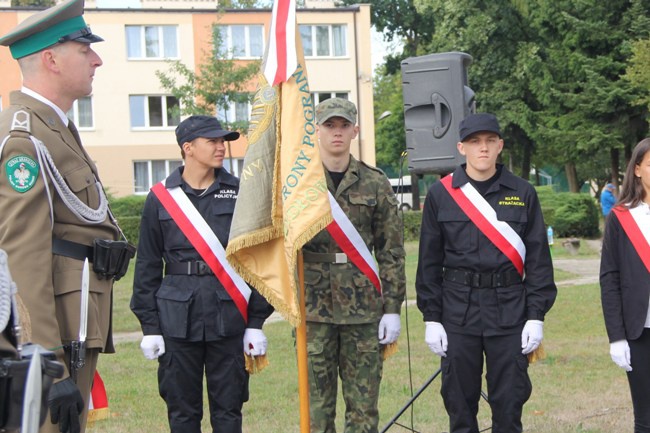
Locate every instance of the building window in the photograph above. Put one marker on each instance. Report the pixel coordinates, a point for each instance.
(148, 173)
(81, 113)
(324, 40)
(233, 165)
(241, 41)
(154, 111)
(151, 42)
(319, 97)
(237, 112)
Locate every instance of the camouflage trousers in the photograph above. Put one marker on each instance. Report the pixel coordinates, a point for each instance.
(352, 352)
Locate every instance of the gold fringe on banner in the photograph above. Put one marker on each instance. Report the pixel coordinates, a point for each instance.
(537, 354)
(390, 350)
(255, 364)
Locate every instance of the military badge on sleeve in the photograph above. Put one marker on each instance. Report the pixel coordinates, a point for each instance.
(22, 172)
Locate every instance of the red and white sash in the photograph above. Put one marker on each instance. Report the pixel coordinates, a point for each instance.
(350, 241)
(484, 217)
(206, 243)
(631, 223)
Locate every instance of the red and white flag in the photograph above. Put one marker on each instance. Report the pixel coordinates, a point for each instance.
(281, 58)
(98, 403)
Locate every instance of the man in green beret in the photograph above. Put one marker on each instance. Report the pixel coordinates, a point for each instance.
(54, 210)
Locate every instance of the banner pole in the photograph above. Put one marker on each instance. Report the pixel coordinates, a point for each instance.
(301, 352)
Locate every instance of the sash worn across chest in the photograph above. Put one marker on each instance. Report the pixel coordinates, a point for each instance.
(630, 223)
(350, 241)
(206, 243)
(484, 217)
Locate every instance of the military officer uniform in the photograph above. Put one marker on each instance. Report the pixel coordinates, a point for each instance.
(53, 208)
(343, 308)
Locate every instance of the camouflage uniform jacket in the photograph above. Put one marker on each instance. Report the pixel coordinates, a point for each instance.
(341, 293)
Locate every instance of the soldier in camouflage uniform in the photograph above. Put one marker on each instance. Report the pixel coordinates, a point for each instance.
(348, 320)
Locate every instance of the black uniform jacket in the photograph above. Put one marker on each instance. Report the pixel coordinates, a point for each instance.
(624, 284)
(449, 239)
(191, 307)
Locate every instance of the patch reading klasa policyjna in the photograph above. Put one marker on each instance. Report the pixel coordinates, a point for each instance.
(22, 172)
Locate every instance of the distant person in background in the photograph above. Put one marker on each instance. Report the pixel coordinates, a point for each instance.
(607, 199)
(625, 282)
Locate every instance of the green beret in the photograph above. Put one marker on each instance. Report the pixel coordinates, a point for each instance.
(58, 24)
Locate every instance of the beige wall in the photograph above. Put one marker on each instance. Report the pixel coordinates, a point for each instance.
(114, 145)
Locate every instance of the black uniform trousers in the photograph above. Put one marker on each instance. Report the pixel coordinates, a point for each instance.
(509, 386)
(180, 382)
(639, 380)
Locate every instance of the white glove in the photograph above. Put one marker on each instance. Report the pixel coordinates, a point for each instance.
(389, 328)
(255, 342)
(532, 336)
(152, 346)
(436, 337)
(620, 353)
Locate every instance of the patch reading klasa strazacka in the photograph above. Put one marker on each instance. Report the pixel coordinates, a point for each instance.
(22, 172)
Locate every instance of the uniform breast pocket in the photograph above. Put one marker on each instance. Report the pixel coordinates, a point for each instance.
(362, 206)
(173, 237)
(516, 217)
(173, 310)
(458, 233)
(222, 211)
(82, 182)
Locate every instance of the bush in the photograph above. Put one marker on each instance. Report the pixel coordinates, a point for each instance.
(412, 222)
(128, 212)
(570, 215)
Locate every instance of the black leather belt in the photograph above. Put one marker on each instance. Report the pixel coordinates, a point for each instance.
(73, 250)
(310, 257)
(188, 268)
(478, 280)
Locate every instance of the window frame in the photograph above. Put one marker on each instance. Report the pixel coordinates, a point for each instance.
(73, 114)
(147, 115)
(162, 44)
(227, 41)
(331, 43)
(150, 182)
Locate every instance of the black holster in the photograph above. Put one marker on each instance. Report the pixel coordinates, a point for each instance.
(13, 377)
(111, 258)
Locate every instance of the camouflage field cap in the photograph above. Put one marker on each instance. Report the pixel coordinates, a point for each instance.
(336, 107)
(58, 24)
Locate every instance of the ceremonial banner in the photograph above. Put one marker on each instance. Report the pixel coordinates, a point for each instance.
(98, 404)
(283, 199)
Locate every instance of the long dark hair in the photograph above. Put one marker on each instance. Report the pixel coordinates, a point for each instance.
(632, 190)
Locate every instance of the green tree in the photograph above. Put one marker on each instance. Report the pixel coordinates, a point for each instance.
(586, 108)
(390, 140)
(219, 82)
(638, 72)
(402, 20)
(33, 3)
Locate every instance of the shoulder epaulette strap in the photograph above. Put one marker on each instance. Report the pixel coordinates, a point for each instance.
(372, 167)
(21, 122)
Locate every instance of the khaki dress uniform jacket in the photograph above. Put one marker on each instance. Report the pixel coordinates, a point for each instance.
(49, 284)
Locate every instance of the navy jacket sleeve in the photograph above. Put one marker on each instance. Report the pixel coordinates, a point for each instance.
(148, 269)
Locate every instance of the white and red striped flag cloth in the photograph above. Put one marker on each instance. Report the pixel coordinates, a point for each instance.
(98, 403)
(281, 59)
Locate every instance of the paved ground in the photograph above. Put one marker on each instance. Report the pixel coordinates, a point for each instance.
(586, 271)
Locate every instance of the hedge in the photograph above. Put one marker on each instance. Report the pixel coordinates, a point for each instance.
(570, 215)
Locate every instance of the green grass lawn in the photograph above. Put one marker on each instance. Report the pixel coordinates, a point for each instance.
(576, 388)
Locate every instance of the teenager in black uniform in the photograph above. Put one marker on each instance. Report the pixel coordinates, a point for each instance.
(625, 282)
(190, 322)
(474, 300)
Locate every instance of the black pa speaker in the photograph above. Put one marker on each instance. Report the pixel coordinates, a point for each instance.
(436, 99)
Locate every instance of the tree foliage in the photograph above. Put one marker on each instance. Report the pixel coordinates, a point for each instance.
(551, 70)
(33, 3)
(638, 72)
(219, 82)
